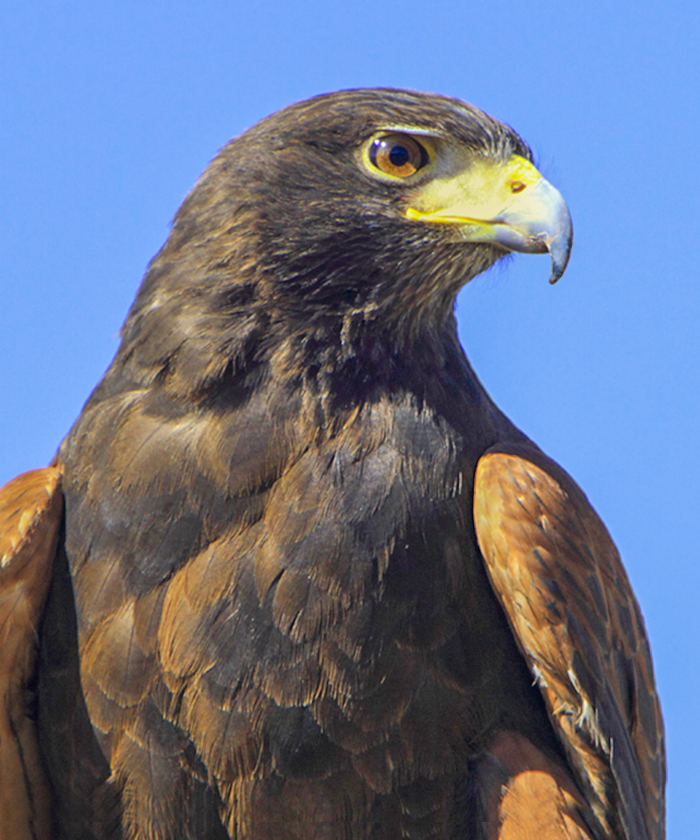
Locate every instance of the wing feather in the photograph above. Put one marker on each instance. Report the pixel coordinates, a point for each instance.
(30, 517)
(560, 580)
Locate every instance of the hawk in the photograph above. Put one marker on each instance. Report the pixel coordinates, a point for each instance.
(309, 581)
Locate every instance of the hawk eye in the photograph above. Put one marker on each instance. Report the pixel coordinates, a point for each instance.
(398, 154)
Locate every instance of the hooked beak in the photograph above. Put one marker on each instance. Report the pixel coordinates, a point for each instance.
(507, 204)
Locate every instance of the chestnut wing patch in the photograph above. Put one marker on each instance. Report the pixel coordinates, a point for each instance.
(561, 583)
(31, 507)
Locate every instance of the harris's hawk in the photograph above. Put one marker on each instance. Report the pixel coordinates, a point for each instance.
(310, 581)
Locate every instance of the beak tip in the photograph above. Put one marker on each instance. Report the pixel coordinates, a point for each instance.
(557, 272)
(560, 249)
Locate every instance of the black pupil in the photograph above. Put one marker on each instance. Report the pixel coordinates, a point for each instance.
(399, 155)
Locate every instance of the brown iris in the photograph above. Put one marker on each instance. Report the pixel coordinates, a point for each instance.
(398, 154)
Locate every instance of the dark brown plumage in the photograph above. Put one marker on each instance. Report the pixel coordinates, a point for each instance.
(270, 616)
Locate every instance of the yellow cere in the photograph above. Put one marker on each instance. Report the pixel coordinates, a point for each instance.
(480, 191)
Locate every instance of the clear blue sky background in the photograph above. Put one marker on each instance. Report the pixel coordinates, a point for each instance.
(109, 110)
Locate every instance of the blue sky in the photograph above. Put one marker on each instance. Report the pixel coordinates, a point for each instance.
(110, 110)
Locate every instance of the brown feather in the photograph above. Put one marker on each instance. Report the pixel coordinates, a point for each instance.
(529, 795)
(560, 580)
(30, 518)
